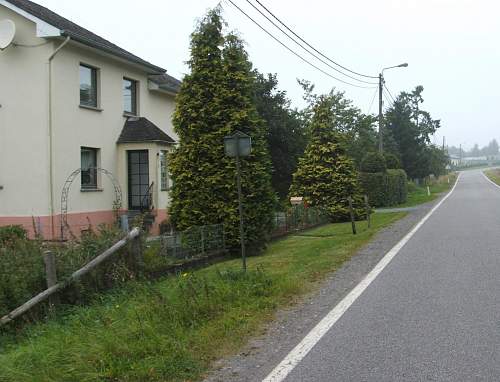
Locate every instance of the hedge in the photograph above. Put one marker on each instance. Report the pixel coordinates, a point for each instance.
(385, 189)
(373, 163)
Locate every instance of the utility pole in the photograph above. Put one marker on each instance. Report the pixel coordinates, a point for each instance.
(380, 105)
(460, 154)
(380, 116)
(444, 140)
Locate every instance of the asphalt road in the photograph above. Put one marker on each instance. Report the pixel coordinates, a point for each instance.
(433, 314)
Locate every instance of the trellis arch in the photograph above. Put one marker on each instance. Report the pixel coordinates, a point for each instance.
(117, 204)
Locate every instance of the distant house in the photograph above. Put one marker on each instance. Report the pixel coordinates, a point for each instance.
(72, 102)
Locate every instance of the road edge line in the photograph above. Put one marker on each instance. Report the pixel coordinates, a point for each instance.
(298, 353)
(489, 180)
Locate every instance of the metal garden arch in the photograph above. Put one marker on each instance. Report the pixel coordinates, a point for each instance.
(67, 186)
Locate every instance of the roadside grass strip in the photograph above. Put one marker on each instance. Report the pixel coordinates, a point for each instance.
(173, 329)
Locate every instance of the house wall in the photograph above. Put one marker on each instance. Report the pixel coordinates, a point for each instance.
(24, 117)
(23, 124)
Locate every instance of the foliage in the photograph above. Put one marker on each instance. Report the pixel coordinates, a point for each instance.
(358, 128)
(392, 161)
(385, 189)
(408, 131)
(286, 136)
(438, 160)
(175, 328)
(216, 98)
(373, 162)
(374, 185)
(326, 176)
(11, 233)
(22, 271)
(490, 150)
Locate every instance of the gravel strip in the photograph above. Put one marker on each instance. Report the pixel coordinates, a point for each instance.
(259, 357)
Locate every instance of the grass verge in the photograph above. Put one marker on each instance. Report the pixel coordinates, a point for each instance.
(173, 329)
(418, 194)
(493, 174)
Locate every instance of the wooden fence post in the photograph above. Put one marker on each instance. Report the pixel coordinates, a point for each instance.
(137, 253)
(51, 274)
(367, 206)
(351, 211)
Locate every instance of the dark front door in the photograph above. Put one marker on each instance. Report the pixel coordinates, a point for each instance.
(138, 179)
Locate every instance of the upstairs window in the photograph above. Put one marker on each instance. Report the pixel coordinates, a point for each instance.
(88, 86)
(129, 96)
(89, 167)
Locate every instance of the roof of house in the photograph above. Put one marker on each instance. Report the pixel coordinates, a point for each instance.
(166, 82)
(80, 34)
(140, 129)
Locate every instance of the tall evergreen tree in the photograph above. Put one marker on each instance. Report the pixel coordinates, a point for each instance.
(326, 176)
(215, 100)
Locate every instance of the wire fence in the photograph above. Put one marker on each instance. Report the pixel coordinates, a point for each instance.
(298, 218)
(195, 241)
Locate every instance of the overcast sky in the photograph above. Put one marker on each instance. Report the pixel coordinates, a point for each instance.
(452, 47)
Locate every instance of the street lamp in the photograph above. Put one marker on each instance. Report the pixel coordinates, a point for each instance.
(380, 117)
(239, 145)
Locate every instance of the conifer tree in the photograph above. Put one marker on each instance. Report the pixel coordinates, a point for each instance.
(326, 176)
(215, 100)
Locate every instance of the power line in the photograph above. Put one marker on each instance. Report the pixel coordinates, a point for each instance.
(373, 99)
(305, 48)
(389, 102)
(295, 53)
(388, 91)
(312, 47)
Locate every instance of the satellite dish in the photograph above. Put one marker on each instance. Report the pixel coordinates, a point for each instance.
(7, 33)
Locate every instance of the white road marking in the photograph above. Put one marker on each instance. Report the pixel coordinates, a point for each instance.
(293, 358)
(489, 180)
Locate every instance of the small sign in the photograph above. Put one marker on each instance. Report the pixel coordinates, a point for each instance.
(295, 200)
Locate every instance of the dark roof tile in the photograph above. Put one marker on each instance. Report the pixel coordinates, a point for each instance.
(166, 82)
(140, 129)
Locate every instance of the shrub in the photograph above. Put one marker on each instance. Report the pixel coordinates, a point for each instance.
(385, 188)
(22, 269)
(11, 233)
(373, 162)
(375, 186)
(392, 161)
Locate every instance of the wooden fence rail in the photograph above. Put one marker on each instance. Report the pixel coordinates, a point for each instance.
(132, 235)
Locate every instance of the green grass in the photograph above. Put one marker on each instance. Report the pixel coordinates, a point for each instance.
(494, 175)
(419, 195)
(173, 329)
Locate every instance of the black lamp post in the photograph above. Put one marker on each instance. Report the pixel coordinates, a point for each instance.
(239, 145)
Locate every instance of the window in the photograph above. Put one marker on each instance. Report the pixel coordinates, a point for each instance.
(88, 86)
(130, 96)
(89, 167)
(164, 177)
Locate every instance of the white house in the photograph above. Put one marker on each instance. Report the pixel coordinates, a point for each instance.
(72, 102)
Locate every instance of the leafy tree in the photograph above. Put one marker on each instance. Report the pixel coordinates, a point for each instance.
(409, 130)
(216, 98)
(438, 160)
(357, 128)
(286, 134)
(326, 176)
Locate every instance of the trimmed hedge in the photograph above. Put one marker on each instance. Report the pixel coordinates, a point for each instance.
(392, 161)
(373, 163)
(385, 189)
